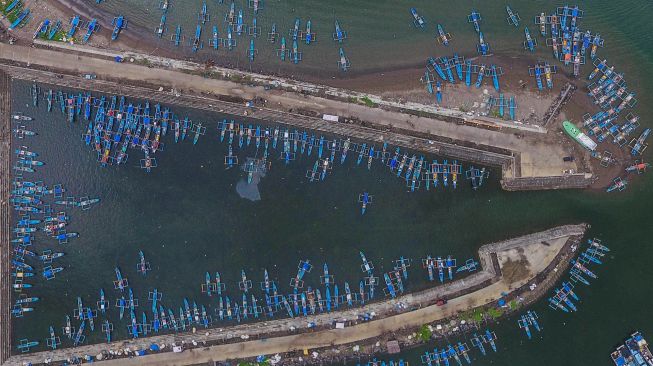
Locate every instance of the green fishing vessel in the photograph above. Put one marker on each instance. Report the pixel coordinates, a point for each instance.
(578, 135)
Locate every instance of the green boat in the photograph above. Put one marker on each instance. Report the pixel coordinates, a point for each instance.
(578, 135)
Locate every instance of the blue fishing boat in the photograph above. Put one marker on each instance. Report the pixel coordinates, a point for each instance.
(530, 42)
(327, 295)
(418, 21)
(24, 345)
(119, 23)
(429, 264)
(251, 53)
(532, 317)
(483, 48)
(22, 16)
(343, 61)
(365, 199)
(204, 14)
(92, 27)
(162, 24)
(41, 29)
(339, 35)
(348, 296)
(103, 304)
(107, 328)
(79, 336)
(490, 337)
(475, 18)
(142, 267)
(173, 320)
(120, 283)
(244, 284)
(74, 23)
(524, 324)
(513, 18)
(389, 285)
(308, 35)
(443, 37)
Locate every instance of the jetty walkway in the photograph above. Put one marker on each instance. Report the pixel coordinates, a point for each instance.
(530, 258)
(529, 153)
(5, 217)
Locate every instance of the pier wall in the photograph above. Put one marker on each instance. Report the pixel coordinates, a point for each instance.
(557, 104)
(5, 217)
(284, 335)
(569, 181)
(480, 154)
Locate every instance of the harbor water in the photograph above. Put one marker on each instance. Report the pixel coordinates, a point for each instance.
(187, 217)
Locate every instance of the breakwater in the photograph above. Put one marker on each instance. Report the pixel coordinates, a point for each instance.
(470, 140)
(5, 217)
(543, 251)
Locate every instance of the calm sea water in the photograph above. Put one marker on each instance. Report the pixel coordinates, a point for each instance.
(187, 217)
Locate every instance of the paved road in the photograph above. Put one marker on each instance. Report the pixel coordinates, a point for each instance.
(540, 156)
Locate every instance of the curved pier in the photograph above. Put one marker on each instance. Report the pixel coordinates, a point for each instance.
(507, 267)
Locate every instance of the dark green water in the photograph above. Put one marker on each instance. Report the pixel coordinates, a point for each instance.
(188, 219)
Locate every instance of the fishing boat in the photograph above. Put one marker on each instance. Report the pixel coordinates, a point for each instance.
(142, 267)
(26, 300)
(343, 62)
(24, 345)
(389, 285)
(92, 27)
(365, 199)
(119, 23)
(197, 41)
(582, 268)
(579, 136)
(639, 145)
(345, 149)
(530, 42)
(418, 21)
(204, 14)
(23, 15)
(120, 283)
(161, 28)
(339, 35)
(513, 18)
(490, 337)
(475, 18)
(523, 323)
(348, 296)
(618, 184)
(74, 23)
(245, 284)
(483, 48)
(103, 304)
(68, 329)
(443, 37)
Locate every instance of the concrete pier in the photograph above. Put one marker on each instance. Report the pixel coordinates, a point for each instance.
(520, 152)
(5, 217)
(506, 268)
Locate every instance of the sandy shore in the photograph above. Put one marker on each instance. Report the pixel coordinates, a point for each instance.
(400, 85)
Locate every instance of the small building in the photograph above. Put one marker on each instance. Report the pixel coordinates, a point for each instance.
(393, 347)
